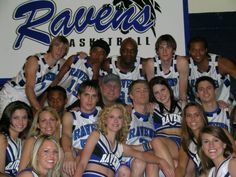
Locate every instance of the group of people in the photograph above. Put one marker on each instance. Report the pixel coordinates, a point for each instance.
(98, 116)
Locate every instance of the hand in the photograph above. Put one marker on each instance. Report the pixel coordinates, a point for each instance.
(69, 164)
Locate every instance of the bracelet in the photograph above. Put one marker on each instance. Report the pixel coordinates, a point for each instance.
(147, 147)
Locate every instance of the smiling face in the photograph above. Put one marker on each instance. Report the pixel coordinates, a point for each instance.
(47, 123)
(194, 119)
(213, 147)
(114, 120)
(110, 91)
(19, 120)
(47, 156)
(206, 91)
(162, 94)
(198, 51)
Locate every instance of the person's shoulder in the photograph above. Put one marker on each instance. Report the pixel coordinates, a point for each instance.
(3, 137)
(30, 140)
(25, 173)
(182, 58)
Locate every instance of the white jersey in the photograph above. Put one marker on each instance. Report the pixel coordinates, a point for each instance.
(222, 171)
(220, 118)
(222, 82)
(15, 88)
(126, 78)
(13, 154)
(141, 128)
(192, 152)
(83, 125)
(80, 70)
(172, 76)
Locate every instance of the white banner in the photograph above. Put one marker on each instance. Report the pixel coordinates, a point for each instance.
(27, 27)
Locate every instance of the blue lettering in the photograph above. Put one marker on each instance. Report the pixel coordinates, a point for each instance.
(65, 23)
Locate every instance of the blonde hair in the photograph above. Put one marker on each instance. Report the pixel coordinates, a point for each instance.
(101, 122)
(35, 131)
(55, 171)
(60, 39)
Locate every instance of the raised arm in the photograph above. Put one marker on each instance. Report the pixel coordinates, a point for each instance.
(69, 163)
(86, 153)
(64, 69)
(183, 69)
(148, 68)
(227, 67)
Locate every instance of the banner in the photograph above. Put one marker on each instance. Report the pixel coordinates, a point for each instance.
(29, 26)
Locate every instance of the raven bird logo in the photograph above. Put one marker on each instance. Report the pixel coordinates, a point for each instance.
(125, 4)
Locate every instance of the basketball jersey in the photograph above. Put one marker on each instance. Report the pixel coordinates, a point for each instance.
(80, 70)
(192, 152)
(222, 171)
(104, 155)
(172, 76)
(44, 77)
(222, 82)
(13, 154)
(220, 118)
(83, 125)
(164, 119)
(126, 78)
(141, 128)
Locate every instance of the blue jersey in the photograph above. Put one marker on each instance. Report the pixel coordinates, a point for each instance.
(163, 119)
(13, 154)
(104, 155)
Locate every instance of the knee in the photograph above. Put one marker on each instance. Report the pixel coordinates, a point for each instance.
(124, 171)
(138, 166)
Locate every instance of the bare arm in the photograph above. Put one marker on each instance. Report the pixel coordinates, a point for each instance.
(148, 67)
(69, 163)
(86, 153)
(232, 169)
(151, 158)
(227, 67)
(182, 163)
(183, 69)
(64, 69)
(30, 68)
(25, 156)
(3, 147)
